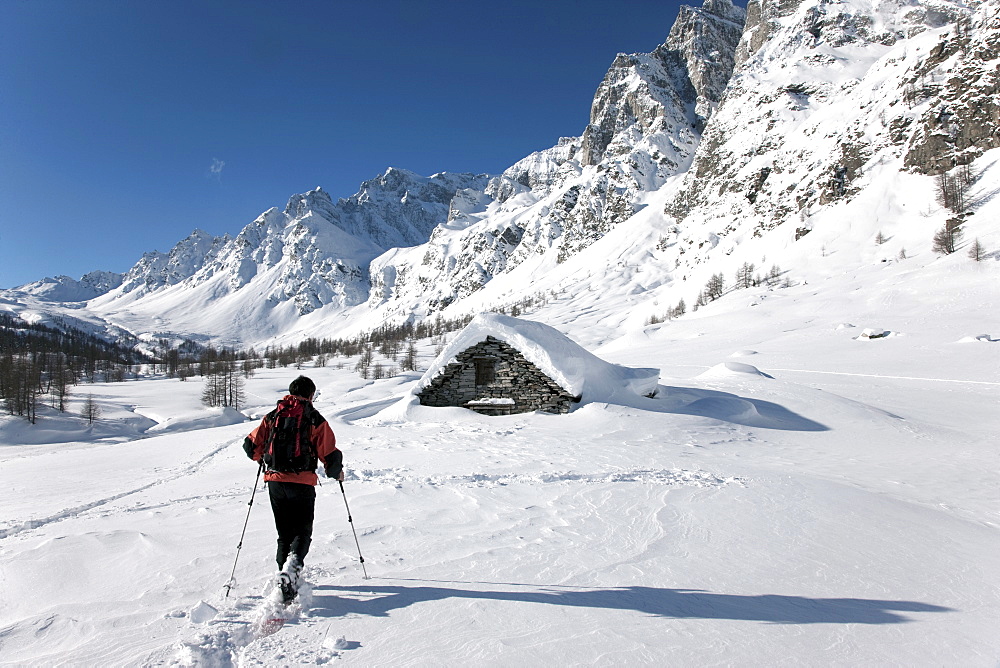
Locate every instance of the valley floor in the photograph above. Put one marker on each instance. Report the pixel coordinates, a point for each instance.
(817, 515)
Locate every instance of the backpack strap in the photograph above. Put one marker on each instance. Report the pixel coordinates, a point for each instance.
(315, 419)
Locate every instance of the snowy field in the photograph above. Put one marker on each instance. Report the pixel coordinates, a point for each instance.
(796, 494)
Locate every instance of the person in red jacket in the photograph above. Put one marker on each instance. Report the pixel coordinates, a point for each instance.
(293, 493)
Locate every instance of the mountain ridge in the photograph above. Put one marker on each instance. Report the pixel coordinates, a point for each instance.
(731, 132)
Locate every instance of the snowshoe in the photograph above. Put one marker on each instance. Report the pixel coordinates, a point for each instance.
(289, 587)
(288, 580)
(268, 625)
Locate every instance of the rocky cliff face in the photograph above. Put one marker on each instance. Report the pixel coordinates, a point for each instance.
(646, 120)
(823, 92)
(957, 87)
(655, 93)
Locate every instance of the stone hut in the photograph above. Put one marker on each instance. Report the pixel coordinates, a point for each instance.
(494, 378)
(499, 365)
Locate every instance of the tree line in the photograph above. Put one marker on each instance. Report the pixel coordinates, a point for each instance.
(38, 361)
(380, 353)
(952, 190)
(42, 363)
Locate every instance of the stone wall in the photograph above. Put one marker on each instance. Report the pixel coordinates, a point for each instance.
(515, 378)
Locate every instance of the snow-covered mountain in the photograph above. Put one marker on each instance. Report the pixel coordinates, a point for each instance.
(837, 117)
(813, 482)
(286, 264)
(723, 147)
(67, 289)
(645, 124)
(157, 270)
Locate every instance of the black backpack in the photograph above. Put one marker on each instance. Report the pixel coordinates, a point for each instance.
(289, 448)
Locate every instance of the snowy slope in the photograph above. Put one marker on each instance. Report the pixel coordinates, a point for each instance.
(795, 494)
(826, 101)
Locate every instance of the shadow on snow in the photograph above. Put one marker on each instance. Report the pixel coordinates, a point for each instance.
(380, 600)
(728, 407)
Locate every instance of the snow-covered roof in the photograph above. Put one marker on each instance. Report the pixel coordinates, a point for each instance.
(575, 369)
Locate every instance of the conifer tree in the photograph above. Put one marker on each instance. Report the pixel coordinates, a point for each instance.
(91, 410)
(946, 239)
(976, 250)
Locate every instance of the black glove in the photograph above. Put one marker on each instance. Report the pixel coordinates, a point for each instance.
(249, 447)
(334, 465)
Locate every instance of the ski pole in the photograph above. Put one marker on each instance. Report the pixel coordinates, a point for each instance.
(351, 520)
(232, 577)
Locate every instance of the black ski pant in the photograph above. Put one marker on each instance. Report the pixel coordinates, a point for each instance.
(294, 506)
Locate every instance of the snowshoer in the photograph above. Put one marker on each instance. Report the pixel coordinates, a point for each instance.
(290, 442)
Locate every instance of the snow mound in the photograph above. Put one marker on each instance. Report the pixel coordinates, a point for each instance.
(211, 417)
(730, 409)
(575, 369)
(744, 353)
(732, 369)
(982, 338)
(202, 613)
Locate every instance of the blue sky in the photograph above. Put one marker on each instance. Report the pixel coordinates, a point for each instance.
(126, 125)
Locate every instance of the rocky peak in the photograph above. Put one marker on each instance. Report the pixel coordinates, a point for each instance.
(101, 281)
(156, 269)
(316, 200)
(401, 208)
(66, 289)
(539, 171)
(705, 40)
(647, 93)
(393, 180)
(646, 120)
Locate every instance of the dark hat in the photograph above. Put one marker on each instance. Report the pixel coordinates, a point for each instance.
(302, 387)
